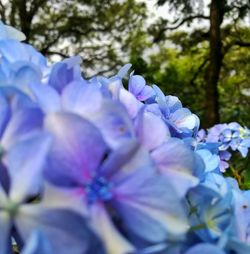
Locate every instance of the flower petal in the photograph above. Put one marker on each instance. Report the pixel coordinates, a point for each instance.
(151, 130)
(37, 244)
(25, 161)
(47, 97)
(177, 162)
(82, 99)
(4, 113)
(136, 84)
(22, 123)
(68, 230)
(77, 149)
(114, 242)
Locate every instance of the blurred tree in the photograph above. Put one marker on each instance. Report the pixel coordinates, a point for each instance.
(179, 66)
(101, 32)
(189, 10)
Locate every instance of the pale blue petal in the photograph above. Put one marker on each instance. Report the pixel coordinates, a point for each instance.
(26, 161)
(136, 84)
(21, 124)
(151, 130)
(47, 97)
(177, 162)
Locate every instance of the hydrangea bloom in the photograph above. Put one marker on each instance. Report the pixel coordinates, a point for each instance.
(88, 166)
(229, 137)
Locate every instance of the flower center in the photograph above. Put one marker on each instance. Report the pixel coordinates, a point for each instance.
(11, 208)
(98, 190)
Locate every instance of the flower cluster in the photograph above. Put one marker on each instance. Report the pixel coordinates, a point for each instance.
(108, 165)
(228, 137)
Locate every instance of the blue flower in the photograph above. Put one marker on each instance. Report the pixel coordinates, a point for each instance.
(126, 184)
(9, 32)
(19, 215)
(137, 86)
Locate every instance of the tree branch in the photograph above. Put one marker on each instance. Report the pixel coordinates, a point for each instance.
(176, 26)
(242, 43)
(105, 71)
(36, 5)
(203, 64)
(57, 53)
(2, 12)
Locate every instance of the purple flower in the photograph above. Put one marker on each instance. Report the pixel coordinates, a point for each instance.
(123, 182)
(65, 72)
(17, 123)
(87, 101)
(22, 210)
(137, 86)
(181, 121)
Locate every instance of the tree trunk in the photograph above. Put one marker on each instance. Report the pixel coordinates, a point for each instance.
(212, 74)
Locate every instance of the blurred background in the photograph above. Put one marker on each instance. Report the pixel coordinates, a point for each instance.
(198, 50)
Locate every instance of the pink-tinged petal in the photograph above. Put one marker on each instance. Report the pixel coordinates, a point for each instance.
(113, 122)
(183, 118)
(109, 116)
(151, 130)
(130, 102)
(146, 93)
(5, 226)
(173, 103)
(177, 162)
(114, 242)
(26, 162)
(77, 149)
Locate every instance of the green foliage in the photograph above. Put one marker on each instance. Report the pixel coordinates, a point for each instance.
(178, 66)
(101, 32)
(109, 33)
